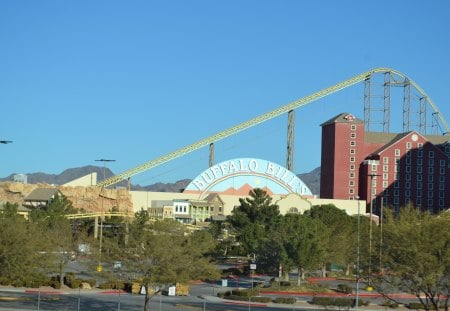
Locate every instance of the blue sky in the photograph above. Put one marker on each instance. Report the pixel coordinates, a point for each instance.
(135, 80)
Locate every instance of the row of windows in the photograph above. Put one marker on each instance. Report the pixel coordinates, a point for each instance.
(396, 202)
(419, 169)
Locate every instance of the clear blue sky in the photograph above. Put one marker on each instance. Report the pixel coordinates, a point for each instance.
(134, 80)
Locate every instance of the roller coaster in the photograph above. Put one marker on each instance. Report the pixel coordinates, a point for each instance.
(391, 78)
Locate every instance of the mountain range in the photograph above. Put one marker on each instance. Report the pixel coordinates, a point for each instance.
(311, 179)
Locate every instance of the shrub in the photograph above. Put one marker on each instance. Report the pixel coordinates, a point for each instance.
(286, 300)
(261, 299)
(344, 288)
(389, 304)
(343, 302)
(322, 301)
(285, 283)
(416, 306)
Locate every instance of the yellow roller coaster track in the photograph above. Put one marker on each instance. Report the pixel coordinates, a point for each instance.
(265, 117)
(99, 214)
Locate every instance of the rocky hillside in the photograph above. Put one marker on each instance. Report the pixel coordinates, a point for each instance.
(311, 179)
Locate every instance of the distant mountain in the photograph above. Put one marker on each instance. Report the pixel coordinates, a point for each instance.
(311, 179)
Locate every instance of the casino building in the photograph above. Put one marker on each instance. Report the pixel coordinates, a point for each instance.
(214, 193)
(384, 169)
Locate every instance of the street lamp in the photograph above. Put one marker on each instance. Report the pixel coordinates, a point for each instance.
(357, 255)
(370, 223)
(99, 267)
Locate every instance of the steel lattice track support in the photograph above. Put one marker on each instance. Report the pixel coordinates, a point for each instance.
(423, 115)
(367, 103)
(290, 141)
(387, 102)
(211, 154)
(406, 106)
(265, 117)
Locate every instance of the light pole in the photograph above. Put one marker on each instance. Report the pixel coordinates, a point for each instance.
(357, 255)
(99, 267)
(370, 223)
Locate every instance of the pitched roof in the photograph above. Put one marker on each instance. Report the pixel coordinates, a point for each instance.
(41, 194)
(344, 117)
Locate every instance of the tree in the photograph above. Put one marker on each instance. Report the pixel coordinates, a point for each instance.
(167, 254)
(58, 230)
(417, 255)
(338, 238)
(302, 243)
(23, 249)
(256, 222)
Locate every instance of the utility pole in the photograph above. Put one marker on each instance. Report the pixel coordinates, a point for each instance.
(99, 267)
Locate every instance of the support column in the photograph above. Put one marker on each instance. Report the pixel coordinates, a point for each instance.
(211, 154)
(96, 227)
(387, 102)
(290, 141)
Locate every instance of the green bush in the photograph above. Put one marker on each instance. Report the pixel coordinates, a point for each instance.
(286, 300)
(416, 306)
(343, 302)
(285, 283)
(261, 299)
(390, 304)
(322, 301)
(344, 288)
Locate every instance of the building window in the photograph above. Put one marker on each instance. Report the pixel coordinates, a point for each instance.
(352, 151)
(419, 162)
(431, 170)
(352, 159)
(408, 185)
(408, 177)
(430, 162)
(385, 176)
(352, 175)
(418, 202)
(374, 192)
(385, 184)
(408, 169)
(374, 183)
(397, 152)
(407, 193)
(441, 194)
(352, 167)
(418, 193)
(419, 170)
(385, 168)
(441, 163)
(408, 161)
(353, 127)
(442, 170)
(419, 185)
(351, 183)
(430, 194)
(352, 143)
(385, 201)
(430, 186)
(397, 160)
(441, 202)
(351, 191)
(420, 145)
(430, 178)
(396, 184)
(419, 177)
(352, 135)
(430, 203)
(397, 168)
(386, 160)
(420, 153)
(396, 200)
(408, 145)
(441, 186)
(408, 154)
(397, 176)
(441, 178)
(431, 154)
(374, 167)
(396, 192)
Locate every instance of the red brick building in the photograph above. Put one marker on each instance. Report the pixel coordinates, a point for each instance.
(391, 169)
